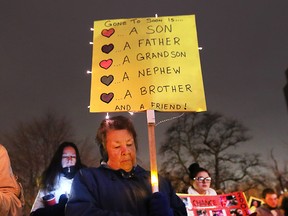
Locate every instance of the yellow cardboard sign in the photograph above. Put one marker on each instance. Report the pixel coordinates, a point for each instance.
(143, 64)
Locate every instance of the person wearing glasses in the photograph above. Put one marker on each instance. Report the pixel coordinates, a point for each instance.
(56, 181)
(200, 181)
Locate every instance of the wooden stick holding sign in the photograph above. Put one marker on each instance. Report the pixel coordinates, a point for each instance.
(152, 150)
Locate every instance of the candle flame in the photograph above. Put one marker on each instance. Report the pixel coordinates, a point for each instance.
(154, 178)
(154, 181)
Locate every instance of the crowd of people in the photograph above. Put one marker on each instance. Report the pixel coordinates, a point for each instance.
(118, 187)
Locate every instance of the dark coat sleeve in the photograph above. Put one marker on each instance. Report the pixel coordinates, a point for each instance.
(84, 200)
(102, 193)
(176, 204)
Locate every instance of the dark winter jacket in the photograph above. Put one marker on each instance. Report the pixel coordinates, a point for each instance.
(102, 191)
(264, 210)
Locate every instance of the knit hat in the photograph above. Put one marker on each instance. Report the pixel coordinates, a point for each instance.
(194, 169)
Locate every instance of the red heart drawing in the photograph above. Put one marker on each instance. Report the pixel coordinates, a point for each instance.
(106, 63)
(107, 97)
(108, 32)
(107, 80)
(107, 48)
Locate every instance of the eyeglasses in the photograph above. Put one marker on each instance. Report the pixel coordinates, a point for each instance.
(201, 179)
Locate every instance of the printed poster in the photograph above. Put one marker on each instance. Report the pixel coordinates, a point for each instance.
(254, 203)
(232, 204)
(148, 63)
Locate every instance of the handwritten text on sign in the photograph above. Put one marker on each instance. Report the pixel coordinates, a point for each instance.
(146, 63)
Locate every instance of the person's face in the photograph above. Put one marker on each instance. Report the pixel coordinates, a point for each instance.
(271, 200)
(68, 157)
(121, 150)
(201, 186)
(255, 203)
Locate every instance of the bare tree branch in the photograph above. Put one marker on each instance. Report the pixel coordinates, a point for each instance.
(209, 139)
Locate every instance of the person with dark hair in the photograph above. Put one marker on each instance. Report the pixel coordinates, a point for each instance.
(254, 205)
(120, 187)
(10, 203)
(56, 181)
(200, 181)
(270, 205)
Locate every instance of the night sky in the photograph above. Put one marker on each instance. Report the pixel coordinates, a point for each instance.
(45, 53)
